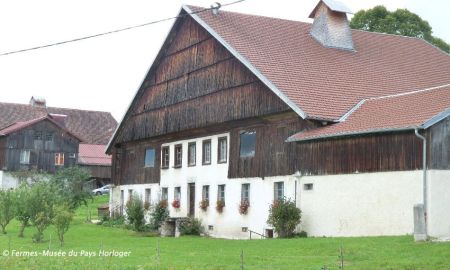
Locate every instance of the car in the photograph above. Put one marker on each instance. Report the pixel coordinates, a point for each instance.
(102, 190)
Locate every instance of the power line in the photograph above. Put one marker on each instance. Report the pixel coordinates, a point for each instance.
(117, 30)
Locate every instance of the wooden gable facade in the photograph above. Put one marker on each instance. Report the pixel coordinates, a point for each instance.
(196, 87)
(36, 146)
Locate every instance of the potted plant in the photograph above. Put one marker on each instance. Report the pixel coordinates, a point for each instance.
(243, 207)
(146, 206)
(204, 204)
(220, 205)
(163, 204)
(176, 204)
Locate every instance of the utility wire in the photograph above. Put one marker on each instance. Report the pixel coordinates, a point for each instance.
(218, 5)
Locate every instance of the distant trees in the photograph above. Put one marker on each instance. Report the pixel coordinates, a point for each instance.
(399, 22)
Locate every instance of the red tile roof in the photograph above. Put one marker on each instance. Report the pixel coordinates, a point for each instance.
(398, 112)
(91, 154)
(326, 83)
(90, 126)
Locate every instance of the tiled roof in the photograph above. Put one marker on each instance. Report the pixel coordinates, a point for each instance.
(91, 126)
(91, 154)
(326, 83)
(389, 113)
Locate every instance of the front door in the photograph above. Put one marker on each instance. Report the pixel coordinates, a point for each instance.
(191, 200)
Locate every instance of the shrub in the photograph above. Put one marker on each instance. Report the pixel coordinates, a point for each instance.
(220, 204)
(116, 221)
(62, 219)
(243, 207)
(302, 234)
(22, 206)
(284, 216)
(135, 213)
(204, 204)
(191, 226)
(159, 214)
(7, 211)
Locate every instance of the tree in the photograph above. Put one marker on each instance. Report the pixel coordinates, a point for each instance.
(41, 200)
(69, 183)
(22, 205)
(400, 22)
(63, 217)
(159, 214)
(284, 216)
(7, 202)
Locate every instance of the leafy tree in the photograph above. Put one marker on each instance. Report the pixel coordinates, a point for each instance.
(159, 214)
(284, 216)
(68, 184)
(41, 200)
(7, 202)
(22, 205)
(135, 213)
(63, 217)
(400, 22)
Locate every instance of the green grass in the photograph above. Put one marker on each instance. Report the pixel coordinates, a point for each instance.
(207, 253)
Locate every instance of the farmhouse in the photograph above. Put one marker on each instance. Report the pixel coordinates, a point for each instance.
(36, 137)
(351, 125)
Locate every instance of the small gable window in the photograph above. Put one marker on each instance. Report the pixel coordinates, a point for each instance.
(149, 158)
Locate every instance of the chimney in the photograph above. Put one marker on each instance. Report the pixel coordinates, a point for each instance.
(330, 27)
(38, 102)
(59, 118)
(215, 8)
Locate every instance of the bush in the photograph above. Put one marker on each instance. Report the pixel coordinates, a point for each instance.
(284, 216)
(41, 200)
(135, 213)
(159, 214)
(7, 209)
(191, 226)
(62, 219)
(115, 221)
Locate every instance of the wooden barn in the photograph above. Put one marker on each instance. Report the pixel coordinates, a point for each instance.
(36, 137)
(240, 108)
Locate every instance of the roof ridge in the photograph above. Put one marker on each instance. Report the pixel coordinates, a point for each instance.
(410, 92)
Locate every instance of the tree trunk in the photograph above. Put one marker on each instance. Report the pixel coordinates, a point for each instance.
(3, 229)
(23, 224)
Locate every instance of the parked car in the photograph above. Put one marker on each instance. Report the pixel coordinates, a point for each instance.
(102, 190)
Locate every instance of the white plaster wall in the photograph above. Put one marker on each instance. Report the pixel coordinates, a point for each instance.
(7, 181)
(360, 204)
(439, 203)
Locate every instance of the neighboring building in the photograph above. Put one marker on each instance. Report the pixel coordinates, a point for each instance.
(247, 108)
(92, 157)
(37, 137)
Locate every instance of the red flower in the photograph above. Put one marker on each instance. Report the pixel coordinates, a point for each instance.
(176, 204)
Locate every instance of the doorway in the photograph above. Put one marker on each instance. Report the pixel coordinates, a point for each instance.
(191, 199)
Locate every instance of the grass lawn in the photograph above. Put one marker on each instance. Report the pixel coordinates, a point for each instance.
(207, 253)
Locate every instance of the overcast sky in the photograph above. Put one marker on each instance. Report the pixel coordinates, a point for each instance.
(104, 73)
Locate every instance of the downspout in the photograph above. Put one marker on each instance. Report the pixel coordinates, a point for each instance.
(424, 176)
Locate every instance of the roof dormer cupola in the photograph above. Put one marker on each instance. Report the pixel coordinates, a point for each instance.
(330, 27)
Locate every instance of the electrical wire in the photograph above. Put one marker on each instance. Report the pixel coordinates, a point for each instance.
(117, 30)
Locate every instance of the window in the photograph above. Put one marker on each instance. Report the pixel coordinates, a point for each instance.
(165, 157)
(247, 144)
(191, 154)
(178, 155)
(72, 155)
(308, 186)
(130, 194)
(278, 191)
(59, 159)
(148, 194)
(205, 193)
(221, 193)
(49, 137)
(25, 157)
(149, 158)
(245, 193)
(38, 135)
(206, 152)
(177, 193)
(222, 150)
(164, 194)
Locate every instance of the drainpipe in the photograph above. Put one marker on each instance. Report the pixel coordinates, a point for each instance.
(424, 176)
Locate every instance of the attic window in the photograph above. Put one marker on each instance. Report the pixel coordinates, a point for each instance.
(149, 158)
(49, 137)
(38, 135)
(247, 144)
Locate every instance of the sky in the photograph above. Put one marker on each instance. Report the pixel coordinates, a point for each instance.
(104, 73)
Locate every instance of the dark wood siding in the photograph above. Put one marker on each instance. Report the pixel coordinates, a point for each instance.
(440, 145)
(195, 83)
(98, 171)
(374, 153)
(42, 151)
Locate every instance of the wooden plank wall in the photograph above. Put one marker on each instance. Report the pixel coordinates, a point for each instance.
(440, 145)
